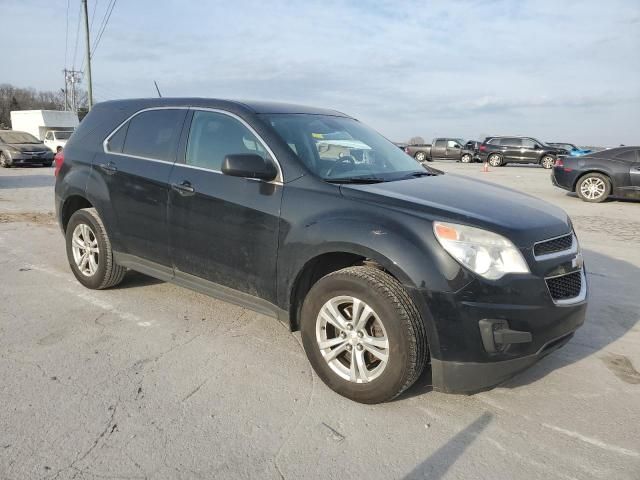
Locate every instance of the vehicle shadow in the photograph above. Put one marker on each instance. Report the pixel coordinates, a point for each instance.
(614, 309)
(27, 181)
(436, 465)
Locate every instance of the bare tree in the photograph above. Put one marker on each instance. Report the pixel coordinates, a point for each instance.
(14, 98)
(416, 141)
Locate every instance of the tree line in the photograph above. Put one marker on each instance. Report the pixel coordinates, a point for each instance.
(16, 98)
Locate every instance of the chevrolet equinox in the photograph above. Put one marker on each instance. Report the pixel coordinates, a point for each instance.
(307, 215)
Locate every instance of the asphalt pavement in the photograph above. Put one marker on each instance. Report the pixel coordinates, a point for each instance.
(149, 380)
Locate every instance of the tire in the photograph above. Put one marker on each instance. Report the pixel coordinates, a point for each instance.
(466, 158)
(420, 156)
(100, 271)
(4, 161)
(593, 187)
(394, 322)
(547, 162)
(495, 160)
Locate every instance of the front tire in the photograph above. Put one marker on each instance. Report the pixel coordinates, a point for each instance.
(547, 162)
(420, 156)
(466, 158)
(89, 251)
(363, 335)
(495, 160)
(593, 187)
(4, 161)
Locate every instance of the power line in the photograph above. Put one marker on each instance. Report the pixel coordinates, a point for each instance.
(75, 51)
(93, 15)
(104, 25)
(66, 38)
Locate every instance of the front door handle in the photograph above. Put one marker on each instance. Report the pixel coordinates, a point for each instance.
(109, 168)
(184, 188)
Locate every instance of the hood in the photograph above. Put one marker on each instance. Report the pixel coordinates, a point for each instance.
(521, 218)
(29, 147)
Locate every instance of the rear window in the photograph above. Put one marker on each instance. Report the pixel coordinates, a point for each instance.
(153, 134)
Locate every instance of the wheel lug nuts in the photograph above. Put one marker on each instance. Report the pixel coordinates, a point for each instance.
(359, 347)
(343, 335)
(349, 326)
(360, 334)
(349, 348)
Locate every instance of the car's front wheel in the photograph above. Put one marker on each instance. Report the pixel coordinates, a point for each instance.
(4, 161)
(547, 162)
(89, 251)
(363, 335)
(593, 187)
(466, 158)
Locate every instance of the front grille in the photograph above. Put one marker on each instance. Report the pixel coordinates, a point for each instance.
(566, 286)
(554, 245)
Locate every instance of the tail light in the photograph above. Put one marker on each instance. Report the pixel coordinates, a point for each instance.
(59, 159)
(406, 149)
(483, 148)
(558, 163)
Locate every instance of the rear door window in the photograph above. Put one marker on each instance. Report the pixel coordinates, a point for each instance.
(154, 134)
(440, 143)
(528, 143)
(510, 142)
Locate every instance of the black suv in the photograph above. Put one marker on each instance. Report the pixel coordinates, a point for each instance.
(309, 216)
(499, 151)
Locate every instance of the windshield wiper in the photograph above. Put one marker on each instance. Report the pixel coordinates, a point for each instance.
(417, 174)
(356, 180)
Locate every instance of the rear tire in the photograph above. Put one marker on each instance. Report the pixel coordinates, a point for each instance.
(420, 156)
(393, 325)
(593, 187)
(89, 251)
(495, 160)
(547, 162)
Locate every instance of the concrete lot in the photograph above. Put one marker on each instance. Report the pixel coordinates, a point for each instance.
(149, 380)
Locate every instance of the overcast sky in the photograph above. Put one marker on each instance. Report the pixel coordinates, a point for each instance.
(557, 70)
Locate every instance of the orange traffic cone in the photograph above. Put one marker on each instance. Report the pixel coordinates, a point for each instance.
(485, 168)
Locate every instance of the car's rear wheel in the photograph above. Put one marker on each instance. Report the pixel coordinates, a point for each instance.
(4, 161)
(89, 251)
(593, 187)
(547, 162)
(420, 156)
(466, 158)
(495, 160)
(363, 335)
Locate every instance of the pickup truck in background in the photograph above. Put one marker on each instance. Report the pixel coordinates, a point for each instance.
(442, 149)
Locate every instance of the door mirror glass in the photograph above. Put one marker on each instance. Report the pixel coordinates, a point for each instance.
(249, 165)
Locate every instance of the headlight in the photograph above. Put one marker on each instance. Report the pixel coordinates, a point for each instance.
(485, 253)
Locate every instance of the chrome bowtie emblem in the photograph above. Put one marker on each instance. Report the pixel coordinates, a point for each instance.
(578, 261)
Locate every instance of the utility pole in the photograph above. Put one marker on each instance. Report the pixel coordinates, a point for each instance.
(71, 77)
(88, 45)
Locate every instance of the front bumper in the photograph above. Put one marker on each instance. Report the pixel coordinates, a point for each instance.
(22, 159)
(524, 314)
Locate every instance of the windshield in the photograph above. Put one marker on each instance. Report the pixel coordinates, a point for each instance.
(338, 148)
(62, 135)
(18, 137)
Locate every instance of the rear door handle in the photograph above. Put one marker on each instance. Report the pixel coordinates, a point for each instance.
(109, 168)
(184, 188)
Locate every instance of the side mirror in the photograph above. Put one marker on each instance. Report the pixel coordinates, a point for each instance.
(249, 165)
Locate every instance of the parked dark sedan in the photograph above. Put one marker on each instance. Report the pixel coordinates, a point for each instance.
(19, 148)
(596, 176)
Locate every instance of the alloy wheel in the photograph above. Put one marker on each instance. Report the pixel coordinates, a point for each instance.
(495, 161)
(466, 158)
(593, 188)
(352, 339)
(547, 162)
(85, 249)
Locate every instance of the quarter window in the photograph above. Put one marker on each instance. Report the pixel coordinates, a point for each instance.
(153, 134)
(214, 135)
(116, 141)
